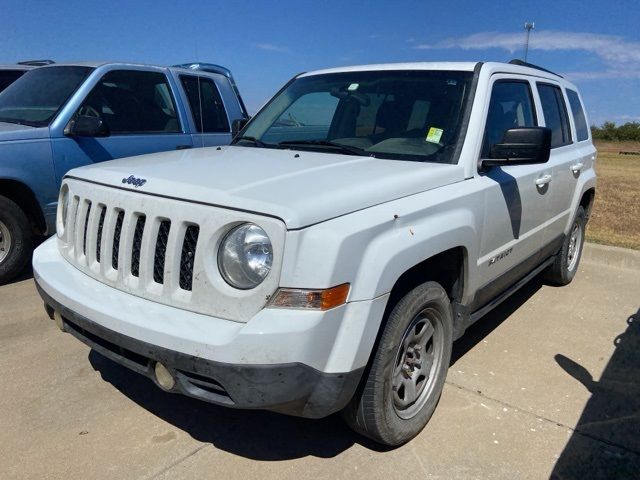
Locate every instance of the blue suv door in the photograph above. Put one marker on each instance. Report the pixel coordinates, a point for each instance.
(140, 111)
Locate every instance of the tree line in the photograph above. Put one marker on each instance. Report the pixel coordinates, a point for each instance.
(611, 131)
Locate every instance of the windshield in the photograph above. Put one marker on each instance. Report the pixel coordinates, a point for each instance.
(37, 97)
(404, 115)
(7, 77)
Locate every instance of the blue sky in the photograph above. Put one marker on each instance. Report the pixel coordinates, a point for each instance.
(594, 43)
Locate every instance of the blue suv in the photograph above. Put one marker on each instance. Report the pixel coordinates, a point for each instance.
(58, 117)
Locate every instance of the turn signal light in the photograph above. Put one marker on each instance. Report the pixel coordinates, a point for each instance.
(310, 299)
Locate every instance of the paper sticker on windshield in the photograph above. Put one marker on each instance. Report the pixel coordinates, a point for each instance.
(353, 87)
(434, 135)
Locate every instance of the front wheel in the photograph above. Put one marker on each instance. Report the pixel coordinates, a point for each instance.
(16, 240)
(408, 368)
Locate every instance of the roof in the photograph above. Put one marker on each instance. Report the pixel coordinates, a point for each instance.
(516, 67)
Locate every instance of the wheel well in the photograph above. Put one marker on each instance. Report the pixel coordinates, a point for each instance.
(586, 201)
(22, 195)
(447, 268)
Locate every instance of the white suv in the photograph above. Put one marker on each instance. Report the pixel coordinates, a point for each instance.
(328, 259)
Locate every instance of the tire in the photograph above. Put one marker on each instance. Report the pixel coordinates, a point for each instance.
(384, 408)
(16, 240)
(565, 266)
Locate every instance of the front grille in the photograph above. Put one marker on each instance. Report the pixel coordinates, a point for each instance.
(187, 256)
(137, 245)
(103, 227)
(161, 251)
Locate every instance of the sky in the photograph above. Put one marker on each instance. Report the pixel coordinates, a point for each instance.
(595, 44)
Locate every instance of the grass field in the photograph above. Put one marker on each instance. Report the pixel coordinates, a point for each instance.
(615, 219)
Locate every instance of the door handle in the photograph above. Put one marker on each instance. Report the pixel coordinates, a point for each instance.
(577, 167)
(543, 180)
(183, 147)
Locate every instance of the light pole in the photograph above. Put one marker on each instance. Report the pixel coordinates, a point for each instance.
(528, 26)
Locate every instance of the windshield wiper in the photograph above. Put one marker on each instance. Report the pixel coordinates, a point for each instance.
(347, 149)
(254, 140)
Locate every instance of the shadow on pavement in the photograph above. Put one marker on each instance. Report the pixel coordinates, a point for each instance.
(606, 441)
(254, 434)
(264, 435)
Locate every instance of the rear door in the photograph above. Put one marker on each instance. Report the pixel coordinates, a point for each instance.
(139, 108)
(209, 120)
(515, 197)
(563, 160)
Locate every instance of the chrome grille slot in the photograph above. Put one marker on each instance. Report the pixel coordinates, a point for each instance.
(86, 224)
(137, 245)
(187, 256)
(117, 231)
(161, 251)
(103, 212)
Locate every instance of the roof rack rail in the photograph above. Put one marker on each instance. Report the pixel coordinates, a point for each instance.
(213, 68)
(520, 63)
(36, 63)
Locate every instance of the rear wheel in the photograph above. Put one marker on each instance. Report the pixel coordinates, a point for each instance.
(16, 240)
(565, 266)
(408, 368)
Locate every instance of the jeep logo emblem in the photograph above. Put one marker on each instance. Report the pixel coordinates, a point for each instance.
(136, 182)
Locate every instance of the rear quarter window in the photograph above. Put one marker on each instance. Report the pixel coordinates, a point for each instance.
(582, 130)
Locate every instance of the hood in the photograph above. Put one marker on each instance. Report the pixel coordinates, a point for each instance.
(300, 187)
(15, 131)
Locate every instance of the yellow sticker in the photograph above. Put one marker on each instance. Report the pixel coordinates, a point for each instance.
(434, 135)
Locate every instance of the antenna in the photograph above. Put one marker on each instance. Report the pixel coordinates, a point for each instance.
(528, 26)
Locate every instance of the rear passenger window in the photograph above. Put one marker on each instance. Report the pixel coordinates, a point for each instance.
(133, 101)
(555, 114)
(582, 130)
(206, 105)
(511, 106)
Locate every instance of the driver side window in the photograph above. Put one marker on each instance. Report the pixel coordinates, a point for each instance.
(133, 102)
(511, 106)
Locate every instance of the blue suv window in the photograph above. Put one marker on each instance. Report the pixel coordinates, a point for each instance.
(206, 105)
(40, 94)
(133, 101)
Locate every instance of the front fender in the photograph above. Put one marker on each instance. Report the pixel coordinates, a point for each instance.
(372, 248)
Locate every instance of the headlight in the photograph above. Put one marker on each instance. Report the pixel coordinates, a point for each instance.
(63, 208)
(245, 256)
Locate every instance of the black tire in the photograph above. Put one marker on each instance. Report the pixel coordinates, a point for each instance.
(17, 254)
(567, 261)
(373, 412)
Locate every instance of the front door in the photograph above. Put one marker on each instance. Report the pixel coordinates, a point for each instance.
(139, 108)
(515, 197)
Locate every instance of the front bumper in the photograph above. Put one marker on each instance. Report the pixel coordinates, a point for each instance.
(300, 363)
(294, 389)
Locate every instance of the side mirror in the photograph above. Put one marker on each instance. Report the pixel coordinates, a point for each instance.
(521, 146)
(237, 125)
(86, 126)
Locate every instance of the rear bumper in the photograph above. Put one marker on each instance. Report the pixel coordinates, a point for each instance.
(294, 388)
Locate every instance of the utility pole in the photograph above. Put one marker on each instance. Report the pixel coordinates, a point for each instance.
(528, 26)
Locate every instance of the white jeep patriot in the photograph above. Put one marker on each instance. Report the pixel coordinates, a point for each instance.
(327, 259)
